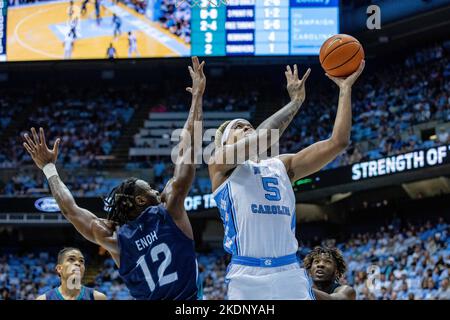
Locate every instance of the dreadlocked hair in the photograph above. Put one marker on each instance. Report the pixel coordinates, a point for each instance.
(334, 253)
(120, 202)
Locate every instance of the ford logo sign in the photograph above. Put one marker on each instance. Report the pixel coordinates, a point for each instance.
(47, 204)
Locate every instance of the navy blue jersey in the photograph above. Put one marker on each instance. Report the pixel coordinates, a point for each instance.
(333, 287)
(157, 260)
(85, 294)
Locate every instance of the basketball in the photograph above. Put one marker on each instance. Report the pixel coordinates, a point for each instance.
(341, 55)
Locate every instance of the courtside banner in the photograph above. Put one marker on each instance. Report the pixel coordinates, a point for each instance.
(45, 204)
(357, 172)
(48, 205)
(387, 166)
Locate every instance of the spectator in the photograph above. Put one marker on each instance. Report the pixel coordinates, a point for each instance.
(429, 291)
(443, 136)
(444, 290)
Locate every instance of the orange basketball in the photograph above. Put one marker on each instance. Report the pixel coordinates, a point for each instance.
(341, 55)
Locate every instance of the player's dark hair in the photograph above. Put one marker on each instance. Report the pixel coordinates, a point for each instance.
(334, 253)
(120, 202)
(63, 251)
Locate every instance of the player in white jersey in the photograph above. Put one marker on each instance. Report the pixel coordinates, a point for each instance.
(256, 200)
(132, 45)
(68, 45)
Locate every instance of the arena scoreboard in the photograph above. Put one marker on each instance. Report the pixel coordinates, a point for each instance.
(263, 27)
(60, 29)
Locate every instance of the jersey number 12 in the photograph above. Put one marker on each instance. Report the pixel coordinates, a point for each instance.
(163, 279)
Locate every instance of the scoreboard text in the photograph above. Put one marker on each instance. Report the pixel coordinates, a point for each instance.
(263, 27)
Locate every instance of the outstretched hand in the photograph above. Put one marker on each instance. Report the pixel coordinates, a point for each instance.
(347, 83)
(38, 150)
(295, 86)
(198, 77)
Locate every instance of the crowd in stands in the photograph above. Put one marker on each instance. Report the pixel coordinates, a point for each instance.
(385, 108)
(108, 281)
(400, 261)
(406, 262)
(413, 262)
(11, 105)
(162, 166)
(88, 136)
(24, 277)
(176, 17)
(34, 183)
(88, 123)
(222, 101)
(213, 268)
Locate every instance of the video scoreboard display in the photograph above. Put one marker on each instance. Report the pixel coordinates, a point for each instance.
(63, 29)
(263, 27)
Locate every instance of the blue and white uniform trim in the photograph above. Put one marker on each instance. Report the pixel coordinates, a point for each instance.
(311, 292)
(265, 262)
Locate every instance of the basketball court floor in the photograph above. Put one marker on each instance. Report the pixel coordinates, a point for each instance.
(37, 32)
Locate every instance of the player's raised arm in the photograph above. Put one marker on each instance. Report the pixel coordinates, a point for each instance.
(184, 172)
(318, 155)
(278, 121)
(88, 224)
(296, 89)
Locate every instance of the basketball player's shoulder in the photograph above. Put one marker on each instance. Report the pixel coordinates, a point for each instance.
(160, 211)
(218, 178)
(99, 296)
(285, 161)
(278, 161)
(347, 291)
(41, 297)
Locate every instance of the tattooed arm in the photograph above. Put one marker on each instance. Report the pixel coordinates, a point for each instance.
(249, 147)
(318, 155)
(87, 224)
(296, 90)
